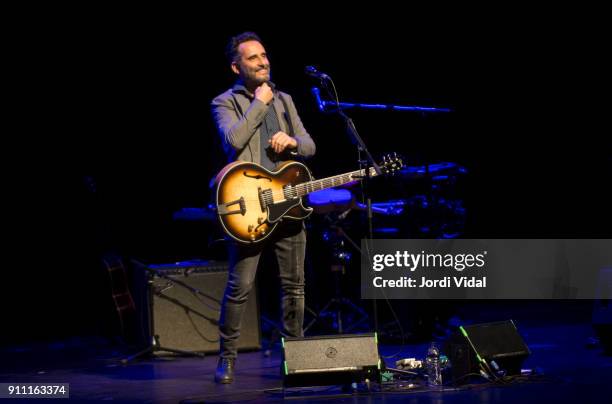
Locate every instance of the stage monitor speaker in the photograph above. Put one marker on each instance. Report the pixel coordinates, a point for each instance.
(327, 360)
(186, 301)
(498, 344)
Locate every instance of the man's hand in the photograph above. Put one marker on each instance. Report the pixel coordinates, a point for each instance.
(264, 93)
(280, 141)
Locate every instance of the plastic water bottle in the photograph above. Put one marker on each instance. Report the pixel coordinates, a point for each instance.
(432, 366)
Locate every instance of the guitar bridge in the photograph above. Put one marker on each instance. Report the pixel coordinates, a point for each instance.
(224, 211)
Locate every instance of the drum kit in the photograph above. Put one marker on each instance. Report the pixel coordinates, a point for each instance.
(435, 212)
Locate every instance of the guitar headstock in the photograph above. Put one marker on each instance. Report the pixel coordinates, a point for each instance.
(391, 163)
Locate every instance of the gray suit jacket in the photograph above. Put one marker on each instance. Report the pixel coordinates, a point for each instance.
(238, 121)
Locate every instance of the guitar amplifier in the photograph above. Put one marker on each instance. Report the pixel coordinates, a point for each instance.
(185, 301)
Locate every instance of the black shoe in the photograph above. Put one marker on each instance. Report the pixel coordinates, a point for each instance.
(225, 371)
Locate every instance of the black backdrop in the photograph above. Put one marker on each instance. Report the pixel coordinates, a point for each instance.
(123, 105)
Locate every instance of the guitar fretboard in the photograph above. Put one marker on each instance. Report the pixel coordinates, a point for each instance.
(330, 182)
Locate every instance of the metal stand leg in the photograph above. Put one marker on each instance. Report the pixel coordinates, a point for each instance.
(337, 306)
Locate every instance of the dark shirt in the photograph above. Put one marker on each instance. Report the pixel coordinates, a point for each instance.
(269, 127)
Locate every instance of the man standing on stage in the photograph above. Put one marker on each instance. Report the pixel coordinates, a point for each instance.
(260, 124)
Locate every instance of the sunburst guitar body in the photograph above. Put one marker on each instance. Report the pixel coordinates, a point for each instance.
(251, 200)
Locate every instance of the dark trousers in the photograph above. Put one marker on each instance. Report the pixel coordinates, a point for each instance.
(289, 243)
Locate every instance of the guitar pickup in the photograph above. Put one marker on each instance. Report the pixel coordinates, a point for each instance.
(290, 192)
(223, 210)
(265, 198)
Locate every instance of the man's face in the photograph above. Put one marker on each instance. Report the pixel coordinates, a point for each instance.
(252, 66)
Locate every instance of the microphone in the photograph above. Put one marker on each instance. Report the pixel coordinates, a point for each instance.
(313, 72)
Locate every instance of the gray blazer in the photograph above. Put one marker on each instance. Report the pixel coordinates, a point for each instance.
(238, 120)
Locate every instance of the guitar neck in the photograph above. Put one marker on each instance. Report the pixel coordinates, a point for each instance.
(330, 182)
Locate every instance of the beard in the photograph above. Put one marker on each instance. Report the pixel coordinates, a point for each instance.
(259, 79)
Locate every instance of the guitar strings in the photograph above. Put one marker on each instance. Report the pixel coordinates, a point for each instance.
(326, 182)
(275, 195)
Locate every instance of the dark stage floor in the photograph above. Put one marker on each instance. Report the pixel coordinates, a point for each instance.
(573, 372)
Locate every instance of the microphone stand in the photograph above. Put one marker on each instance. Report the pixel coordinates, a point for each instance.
(363, 165)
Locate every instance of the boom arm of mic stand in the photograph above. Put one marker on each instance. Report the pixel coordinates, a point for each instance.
(324, 105)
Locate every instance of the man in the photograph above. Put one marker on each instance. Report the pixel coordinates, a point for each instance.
(259, 124)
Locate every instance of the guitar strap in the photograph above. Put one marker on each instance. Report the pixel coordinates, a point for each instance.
(287, 116)
(239, 109)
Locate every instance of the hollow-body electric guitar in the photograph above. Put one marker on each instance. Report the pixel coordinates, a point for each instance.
(252, 200)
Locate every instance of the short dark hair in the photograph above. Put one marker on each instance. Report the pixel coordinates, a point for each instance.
(232, 47)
